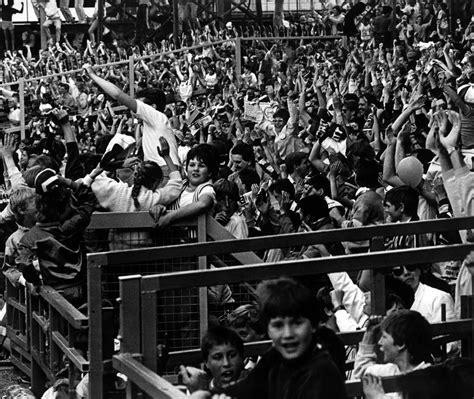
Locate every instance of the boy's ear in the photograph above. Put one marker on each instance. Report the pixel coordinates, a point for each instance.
(401, 207)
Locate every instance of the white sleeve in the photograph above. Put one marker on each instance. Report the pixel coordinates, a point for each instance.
(209, 190)
(345, 322)
(353, 299)
(164, 195)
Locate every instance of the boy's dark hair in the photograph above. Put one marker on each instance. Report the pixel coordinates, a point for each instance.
(411, 329)
(397, 292)
(207, 154)
(367, 173)
(320, 182)
(154, 97)
(282, 113)
(293, 160)
(246, 151)
(314, 206)
(248, 178)
(220, 335)
(224, 187)
(284, 297)
(404, 195)
(283, 185)
(52, 205)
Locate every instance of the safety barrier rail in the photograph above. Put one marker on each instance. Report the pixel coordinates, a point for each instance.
(49, 336)
(139, 357)
(105, 267)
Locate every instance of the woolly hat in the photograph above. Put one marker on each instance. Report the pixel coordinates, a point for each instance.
(46, 181)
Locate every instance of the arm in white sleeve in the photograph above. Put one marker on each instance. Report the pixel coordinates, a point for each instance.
(365, 357)
(164, 195)
(353, 299)
(345, 321)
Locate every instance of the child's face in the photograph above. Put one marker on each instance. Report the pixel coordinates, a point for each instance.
(225, 364)
(225, 204)
(29, 213)
(197, 172)
(291, 336)
(388, 347)
(393, 213)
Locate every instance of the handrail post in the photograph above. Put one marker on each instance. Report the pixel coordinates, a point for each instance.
(202, 265)
(467, 312)
(94, 301)
(238, 56)
(21, 89)
(377, 279)
(131, 74)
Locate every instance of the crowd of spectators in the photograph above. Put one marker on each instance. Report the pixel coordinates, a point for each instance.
(374, 127)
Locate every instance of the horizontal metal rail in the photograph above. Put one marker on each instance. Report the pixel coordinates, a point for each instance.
(280, 241)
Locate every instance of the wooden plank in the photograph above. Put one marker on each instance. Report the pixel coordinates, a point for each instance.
(376, 260)
(15, 304)
(148, 381)
(130, 313)
(64, 307)
(377, 289)
(127, 220)
(281, 241)
(218, 233)
(148, 329)
(72, 354)
(94, 300)
(202, 265)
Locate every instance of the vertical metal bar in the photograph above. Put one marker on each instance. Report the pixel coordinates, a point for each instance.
(71, 335)
(148, 327)
(130, 313)
(377, 297)
(176, 24)
(202, 265)
(100, 18)
(54, 356)
(131, 74)
(21, 89)
(258, 6)
(238, 56)
(94, 300)
(467, 312)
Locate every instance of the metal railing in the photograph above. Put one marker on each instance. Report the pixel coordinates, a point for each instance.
(133, 314)
(139, 356)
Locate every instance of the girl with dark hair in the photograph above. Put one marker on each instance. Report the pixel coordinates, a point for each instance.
(198, 195)
(117, 196)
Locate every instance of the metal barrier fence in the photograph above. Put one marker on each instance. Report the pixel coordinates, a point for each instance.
(139, 357)
(47, 336)
(131, 314)
(131, 67)
(50, 336)
(53, 345)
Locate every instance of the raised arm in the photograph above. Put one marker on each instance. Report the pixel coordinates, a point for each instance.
(111, 90)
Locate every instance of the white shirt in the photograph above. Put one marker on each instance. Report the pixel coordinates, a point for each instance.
(156, 125)
(428, 301)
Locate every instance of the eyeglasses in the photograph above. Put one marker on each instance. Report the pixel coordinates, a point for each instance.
(399, 270)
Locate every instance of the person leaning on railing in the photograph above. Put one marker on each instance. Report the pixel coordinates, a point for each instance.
(51, 252)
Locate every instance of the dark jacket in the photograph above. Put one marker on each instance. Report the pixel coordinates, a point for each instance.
(52, 253)
(312, 376)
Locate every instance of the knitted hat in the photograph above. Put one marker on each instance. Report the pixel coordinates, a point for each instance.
(46, 181)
